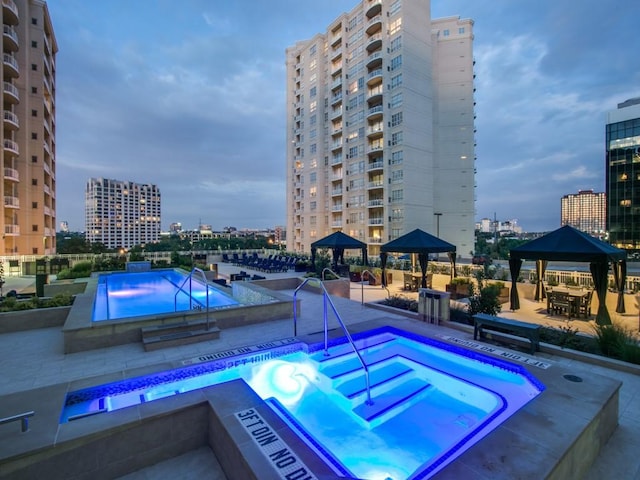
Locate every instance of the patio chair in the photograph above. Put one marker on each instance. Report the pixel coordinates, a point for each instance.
(584, 308)
(408, 282)
(561, 303)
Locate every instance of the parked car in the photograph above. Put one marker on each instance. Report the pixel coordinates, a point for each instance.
(481, 260)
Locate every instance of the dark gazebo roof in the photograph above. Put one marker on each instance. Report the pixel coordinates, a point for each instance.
(568, 244)
(339, 240)
(418, 241)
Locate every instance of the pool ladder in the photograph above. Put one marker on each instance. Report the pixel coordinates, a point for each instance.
(327, 301)
(190, 280)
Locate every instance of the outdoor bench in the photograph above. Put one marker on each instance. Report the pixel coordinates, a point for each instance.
(527, 330)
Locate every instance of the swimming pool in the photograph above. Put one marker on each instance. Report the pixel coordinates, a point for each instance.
(431, 400)
(124, 295)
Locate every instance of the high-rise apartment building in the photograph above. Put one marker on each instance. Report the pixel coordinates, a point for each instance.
(586, 211)
(623, 175)
(29, 129)
(380, 128)
(121, 214)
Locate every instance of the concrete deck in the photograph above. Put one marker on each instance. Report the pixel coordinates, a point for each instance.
(35, 360)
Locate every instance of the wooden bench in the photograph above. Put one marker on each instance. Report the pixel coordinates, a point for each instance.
(527, 330)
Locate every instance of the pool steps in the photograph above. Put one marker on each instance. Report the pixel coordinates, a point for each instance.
(394, 385)
(180, 333)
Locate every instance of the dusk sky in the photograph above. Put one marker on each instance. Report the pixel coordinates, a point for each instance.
(190, 96)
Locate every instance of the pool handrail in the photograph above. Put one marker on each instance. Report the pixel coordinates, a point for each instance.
(22, 417)
(327, 298)
(362, 285)
(181, 289)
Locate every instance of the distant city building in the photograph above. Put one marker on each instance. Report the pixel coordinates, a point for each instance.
(380, 127)
(508, 227)
(280, 234)
(28, 151)
(623, 175)
(586, 211)
(64, 226)
(121, 214)
(175, 227)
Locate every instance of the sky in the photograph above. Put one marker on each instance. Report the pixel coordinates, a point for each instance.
(190, 96)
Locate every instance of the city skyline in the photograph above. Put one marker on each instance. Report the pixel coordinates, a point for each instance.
(194, 102)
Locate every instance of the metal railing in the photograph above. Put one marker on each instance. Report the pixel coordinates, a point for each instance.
(190, 293)
(362, 285)
(327, 300)
(22, 417)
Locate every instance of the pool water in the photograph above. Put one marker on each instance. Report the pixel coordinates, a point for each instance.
(123, 295)
(430, 401)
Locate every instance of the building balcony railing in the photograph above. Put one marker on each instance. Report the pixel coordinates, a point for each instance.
(12, 65)
(374, 42)
(46, 189)
(11, 146)
(11, 120)
(377, 165)
(374, 240)
(337, 191)
(11, 174)
(336, 83)
(10, 12)
(336, 223)
(336, 208)
(12, 230)
(336, 98)
(373, 8)
(11, 94)
(375, 147)
(10, 38)
(336, 145)
(376, 221)
(375, 130)
(336, 160)
(375, 111)
(11, 202)
(374, 24)
(375, 184)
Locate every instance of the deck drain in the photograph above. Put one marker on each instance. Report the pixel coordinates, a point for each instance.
(572, 378)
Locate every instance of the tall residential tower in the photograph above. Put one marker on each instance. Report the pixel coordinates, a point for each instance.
(121, 214)
(380, 128)
(29, 129)
(623, 175)
(586, 211)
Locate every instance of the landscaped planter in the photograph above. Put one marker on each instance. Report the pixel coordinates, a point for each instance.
(457, 290)
(21, 320)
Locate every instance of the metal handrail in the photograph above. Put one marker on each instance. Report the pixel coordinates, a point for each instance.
(181, 289)
(23, 417)
(362, 286)
(327, 298)
(327, 269)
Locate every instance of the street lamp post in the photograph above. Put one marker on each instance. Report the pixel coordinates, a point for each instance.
(438, 215)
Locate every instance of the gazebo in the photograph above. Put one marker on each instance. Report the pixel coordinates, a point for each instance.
(570, 244)
(422, 243)
(338, 242)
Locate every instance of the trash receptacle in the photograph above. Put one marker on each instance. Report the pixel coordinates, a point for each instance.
(41, 280)
(433, 305)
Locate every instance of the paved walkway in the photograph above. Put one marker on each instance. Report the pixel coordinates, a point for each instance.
(35, 358)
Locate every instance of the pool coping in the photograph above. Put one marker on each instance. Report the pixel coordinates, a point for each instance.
(80, 333)
(556, 436)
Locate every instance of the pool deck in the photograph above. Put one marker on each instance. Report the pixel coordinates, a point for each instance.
(35, 359)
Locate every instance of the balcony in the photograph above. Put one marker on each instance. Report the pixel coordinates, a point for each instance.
(11, 174)
(9, 38)
(374, 8)
(335, 113)
(336, 192)
(11, 146)
(46, 189)
(375, 147)
(11, 202)
(374, 25)
(336, 145)
(336, 208)
(336, 99)
(10, 93)
(375, 131)
(337, 82)
(375, 94)
(336, 38)
(374, 59)
(10, 12)
(376, 240)
(375, 203)
(337, 129)
(374, 42)
(336, 176)
(337, 160)
(11, 68)
(336, 223)
(336, 68)
(337, 53)
(377, 165)
(375, 184)
(374, 77)
(376, 221)
(11, 120)
(374, 112)
(12, 230)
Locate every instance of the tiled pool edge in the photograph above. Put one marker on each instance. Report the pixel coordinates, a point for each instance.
(81, 334)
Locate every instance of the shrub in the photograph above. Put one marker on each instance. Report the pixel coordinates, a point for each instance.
(399, 301)
(617, 342)
(11, 304)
